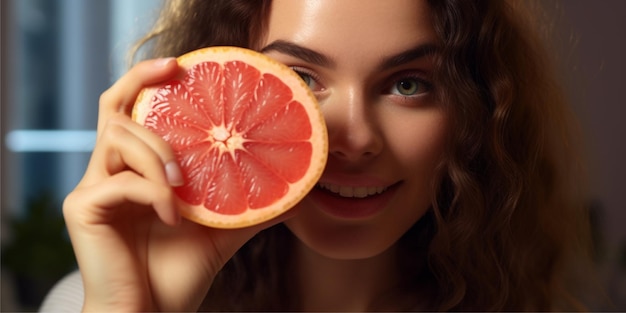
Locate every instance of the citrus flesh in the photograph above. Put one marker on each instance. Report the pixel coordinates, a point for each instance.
(246, 130)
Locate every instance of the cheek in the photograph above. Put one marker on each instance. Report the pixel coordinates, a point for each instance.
(417, 140)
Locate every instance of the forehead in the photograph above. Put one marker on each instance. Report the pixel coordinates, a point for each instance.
(353, 27)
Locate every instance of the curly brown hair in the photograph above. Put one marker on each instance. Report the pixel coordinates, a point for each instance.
(512, 210)
(508, 223)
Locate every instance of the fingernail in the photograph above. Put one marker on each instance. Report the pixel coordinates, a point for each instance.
(163, 62)
(173, 174)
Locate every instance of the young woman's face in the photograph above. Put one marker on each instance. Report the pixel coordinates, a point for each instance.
(370, 64)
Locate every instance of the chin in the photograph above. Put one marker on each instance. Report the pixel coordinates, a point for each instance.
(345, 250)
(342, 241)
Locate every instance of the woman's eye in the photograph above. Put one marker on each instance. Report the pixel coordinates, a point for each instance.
(309, 79)
(409, 87)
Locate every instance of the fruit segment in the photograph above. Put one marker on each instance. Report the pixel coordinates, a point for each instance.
(205, 81)
(289, 124)
(262, 185)
(289, 161)
(239, 145)
(246, 131)
(271, 96)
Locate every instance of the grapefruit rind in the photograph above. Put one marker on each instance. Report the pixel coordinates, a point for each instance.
(301, 93)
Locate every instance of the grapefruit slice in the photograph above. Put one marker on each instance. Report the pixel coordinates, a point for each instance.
(246, 130)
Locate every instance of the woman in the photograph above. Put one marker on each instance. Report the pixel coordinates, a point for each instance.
(448, 108)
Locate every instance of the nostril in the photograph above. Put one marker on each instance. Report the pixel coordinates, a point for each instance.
(353, 130)
(354, 151)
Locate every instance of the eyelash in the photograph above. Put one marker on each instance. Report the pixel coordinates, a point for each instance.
(424, 85)
(314, 78)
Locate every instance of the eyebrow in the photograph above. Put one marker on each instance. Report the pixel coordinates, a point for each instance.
(305, 54)
(314, 57)
(408, 56)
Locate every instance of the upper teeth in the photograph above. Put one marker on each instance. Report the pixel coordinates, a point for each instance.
(352, 192)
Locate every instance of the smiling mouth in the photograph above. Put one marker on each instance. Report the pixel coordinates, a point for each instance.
(351, 191)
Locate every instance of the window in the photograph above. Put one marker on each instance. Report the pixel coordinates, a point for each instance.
(58, 56)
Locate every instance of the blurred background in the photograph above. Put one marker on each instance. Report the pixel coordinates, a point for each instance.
(59, 55)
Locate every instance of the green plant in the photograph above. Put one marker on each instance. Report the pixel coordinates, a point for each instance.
(38, 252)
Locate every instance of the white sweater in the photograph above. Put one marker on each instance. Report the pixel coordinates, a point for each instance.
(66, 296)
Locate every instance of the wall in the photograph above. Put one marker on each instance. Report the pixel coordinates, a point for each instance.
(595, 57)
(595, 30)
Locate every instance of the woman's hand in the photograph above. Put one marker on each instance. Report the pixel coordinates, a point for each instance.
(134, 251)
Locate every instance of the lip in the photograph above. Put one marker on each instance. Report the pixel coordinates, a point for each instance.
(354, 205)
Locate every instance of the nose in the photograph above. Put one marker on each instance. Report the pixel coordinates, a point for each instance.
(353, 128)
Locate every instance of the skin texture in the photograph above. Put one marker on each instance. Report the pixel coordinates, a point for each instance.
(508, 228)
(379, 138)
(134, 252)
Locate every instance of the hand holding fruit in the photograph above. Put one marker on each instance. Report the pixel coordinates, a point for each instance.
(267, 148)
(134, 252)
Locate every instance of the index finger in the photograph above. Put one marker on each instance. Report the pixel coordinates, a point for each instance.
(122, 94)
